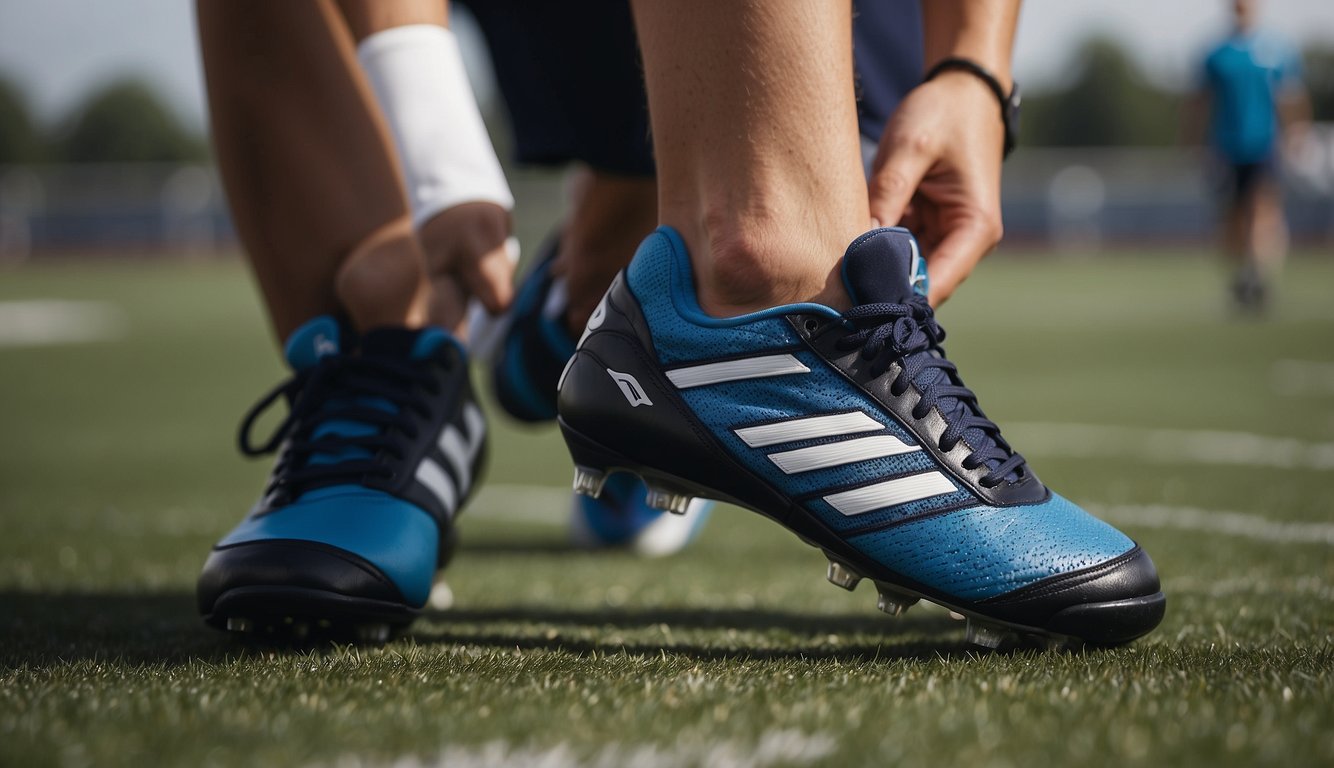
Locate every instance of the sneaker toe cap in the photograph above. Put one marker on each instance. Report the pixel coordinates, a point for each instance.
(350, 541)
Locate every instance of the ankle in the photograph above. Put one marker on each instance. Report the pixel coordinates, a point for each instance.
(745, 266)
(382, 280)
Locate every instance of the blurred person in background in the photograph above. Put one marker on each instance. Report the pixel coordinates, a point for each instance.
(1252, 99)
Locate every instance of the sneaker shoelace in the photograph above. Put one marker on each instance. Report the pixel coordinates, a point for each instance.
(391, 397)
(909, 334)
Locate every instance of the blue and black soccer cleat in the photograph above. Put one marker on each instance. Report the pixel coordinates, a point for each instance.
(620, 518)
(854, 431)
(535, 347)
(377, 455)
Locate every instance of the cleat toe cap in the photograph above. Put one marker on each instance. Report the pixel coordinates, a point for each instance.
(290, 564)
(1111, 603)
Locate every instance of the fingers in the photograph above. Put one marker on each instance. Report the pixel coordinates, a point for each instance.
(957, 254)
(899, 167)
(467, 243)
(490, 279)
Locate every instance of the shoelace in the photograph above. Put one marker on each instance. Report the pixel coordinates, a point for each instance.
(908, 333)
(339, 388)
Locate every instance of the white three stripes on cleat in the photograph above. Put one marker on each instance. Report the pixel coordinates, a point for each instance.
(837, 454)
(890, 493)
(852, 502)
(806, 428)
(460, 450)
(857, 500)
(736, 370)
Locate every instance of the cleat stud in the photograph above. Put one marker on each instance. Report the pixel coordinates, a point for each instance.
(841, 575)
(986, 635)
(668, 500)
(893, 602)
(589, 481)
(373, 633)
(957, 616)
(237, 624)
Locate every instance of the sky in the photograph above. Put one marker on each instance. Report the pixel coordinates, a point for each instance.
(57, 61)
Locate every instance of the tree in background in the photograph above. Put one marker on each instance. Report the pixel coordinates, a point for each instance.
(1109, 103)
(126, 122)
(1318, 62)
(19, 139)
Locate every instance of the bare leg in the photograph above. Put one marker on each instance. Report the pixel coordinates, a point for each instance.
(308, 166)
(464, 244)
(1236, 233)
(755, 129)
(1269, 231)
(366, 17)
(610, 216)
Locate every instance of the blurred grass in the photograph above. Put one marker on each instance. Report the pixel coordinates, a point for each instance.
(117, 472)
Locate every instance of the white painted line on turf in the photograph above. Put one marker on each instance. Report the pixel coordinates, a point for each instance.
(1171, 446)
(518, 503)
(1258, 585)
(44, 322)
(772, 748)
(550, 505)
(1301, 377)
(1240, 524)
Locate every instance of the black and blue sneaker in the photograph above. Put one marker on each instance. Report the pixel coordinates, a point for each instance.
(534, 345)
(378, 453)
(534, 348)
(854, 431)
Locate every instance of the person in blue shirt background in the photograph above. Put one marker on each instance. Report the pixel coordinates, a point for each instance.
(1252, 90)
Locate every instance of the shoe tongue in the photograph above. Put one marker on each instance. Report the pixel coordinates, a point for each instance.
(412, 343)
(316, 339)
(884, 266)
(387, 342)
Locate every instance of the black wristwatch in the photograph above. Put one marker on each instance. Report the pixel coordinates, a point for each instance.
(1009, 103)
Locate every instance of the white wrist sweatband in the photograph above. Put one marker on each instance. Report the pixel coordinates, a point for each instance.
(418, 78)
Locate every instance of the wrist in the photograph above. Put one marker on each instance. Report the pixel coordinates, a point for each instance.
(1001, 74)
(1006, 99)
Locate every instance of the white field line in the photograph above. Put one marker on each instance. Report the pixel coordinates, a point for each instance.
(1171, 446)
(1302, 377)
(547, 505)
(42, 322)
(1304, 587)
(512, 502)
(773, 748)
(1240, 524)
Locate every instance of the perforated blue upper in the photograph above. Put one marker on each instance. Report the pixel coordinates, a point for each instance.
(987, 551)
(660, 277)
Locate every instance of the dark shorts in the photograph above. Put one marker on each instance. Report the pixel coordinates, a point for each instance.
(1240, 180)
(571, 77)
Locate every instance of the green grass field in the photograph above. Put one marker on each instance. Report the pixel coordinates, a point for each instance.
(1210, 441)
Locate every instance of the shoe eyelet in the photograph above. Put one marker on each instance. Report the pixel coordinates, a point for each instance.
(811, 325)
